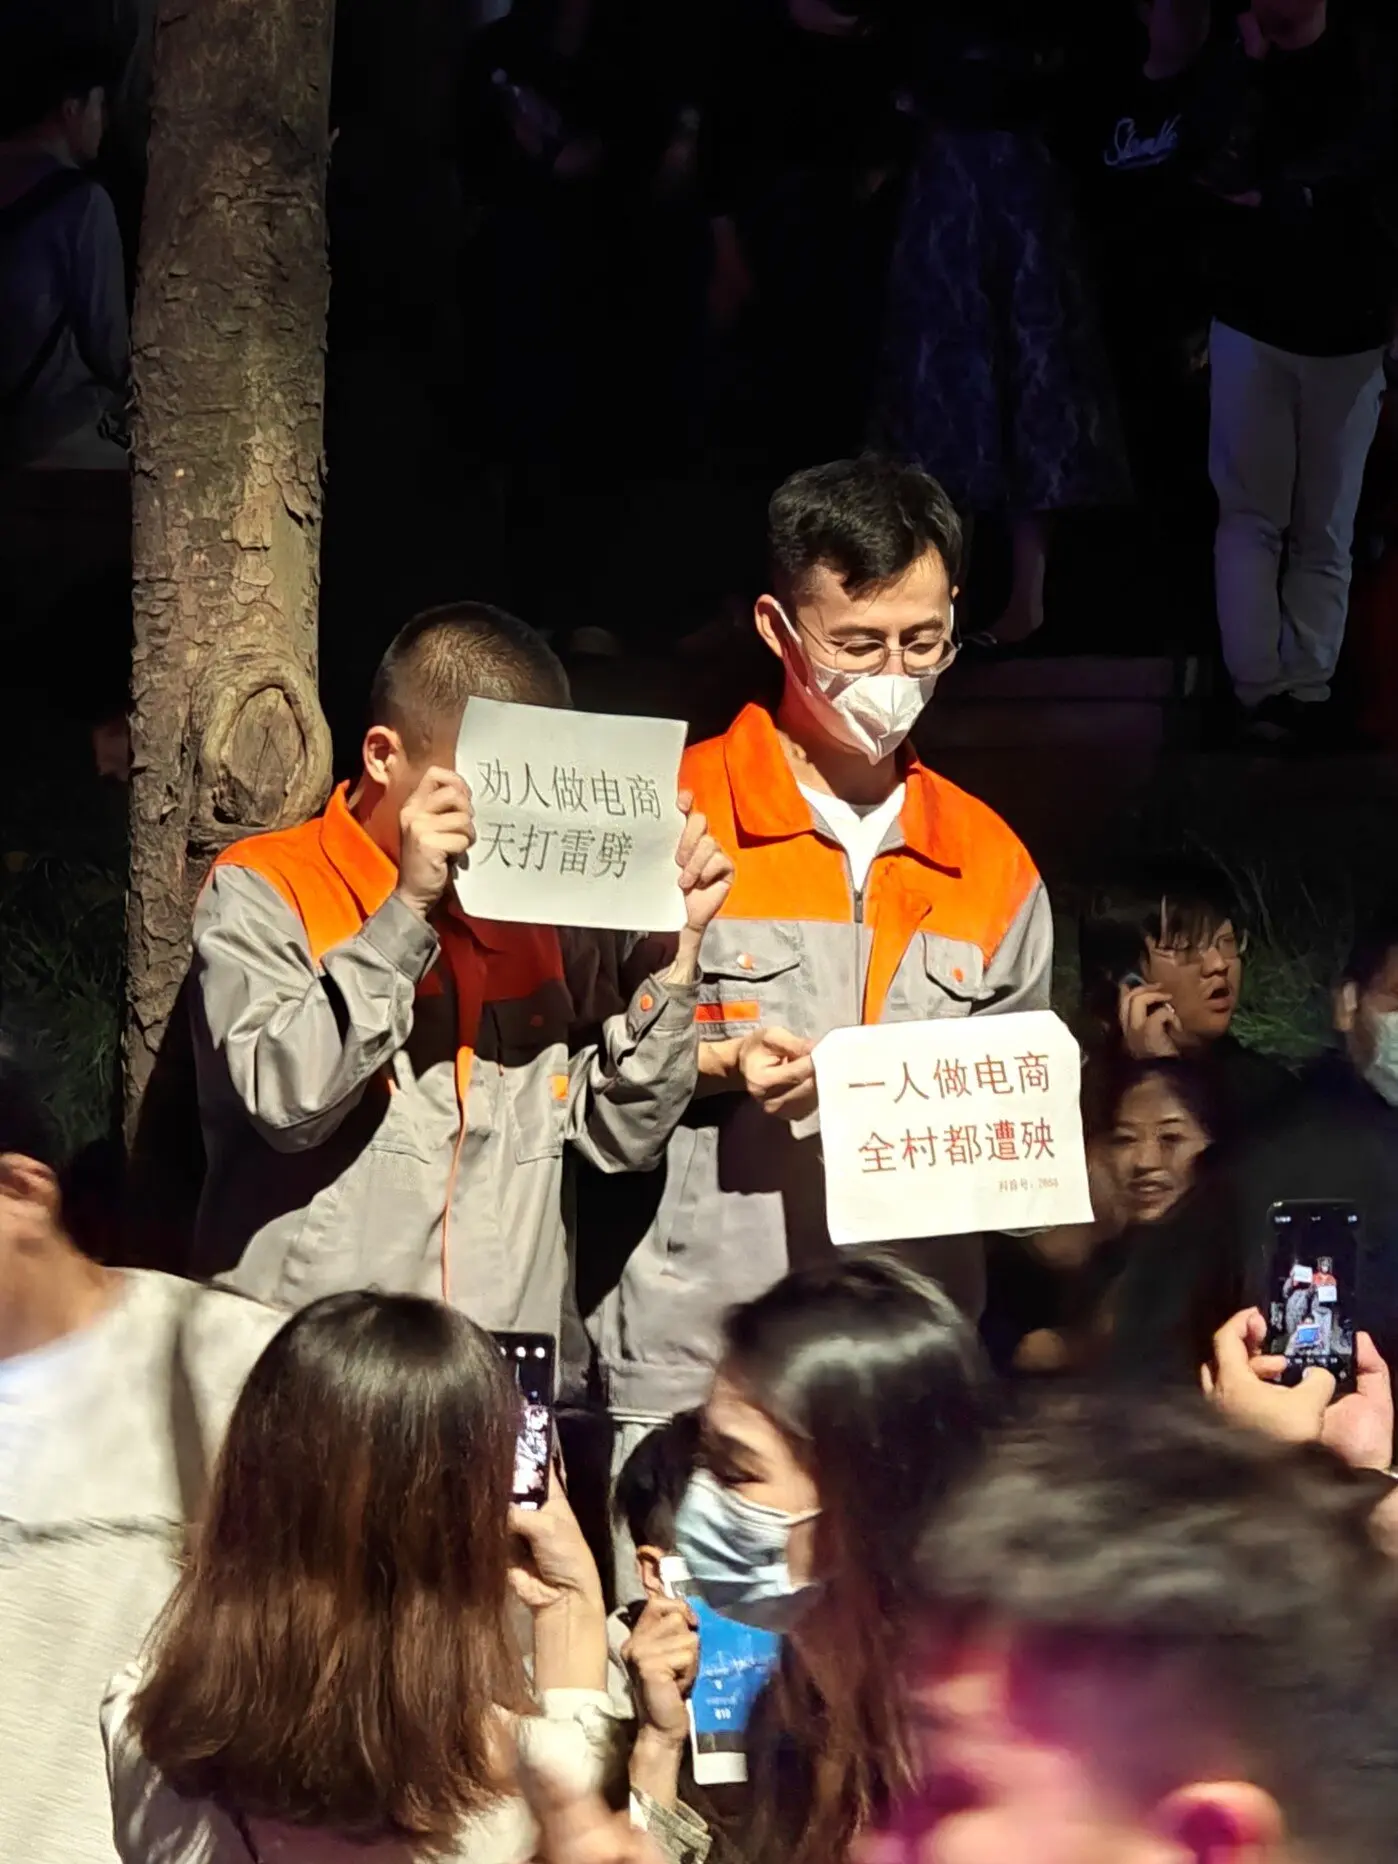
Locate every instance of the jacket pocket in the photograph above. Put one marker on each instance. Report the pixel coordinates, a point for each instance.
(955, 974)
(750, 978)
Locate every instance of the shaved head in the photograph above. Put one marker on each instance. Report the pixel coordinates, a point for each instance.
(461, 651)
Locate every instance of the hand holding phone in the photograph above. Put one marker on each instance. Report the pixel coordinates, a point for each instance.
(1150, 1029)
(1312, 1288)
(553, 1565)
(1244, 1382)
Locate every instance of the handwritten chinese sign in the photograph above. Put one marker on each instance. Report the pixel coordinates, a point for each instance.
(576, 818)
(943, 1128)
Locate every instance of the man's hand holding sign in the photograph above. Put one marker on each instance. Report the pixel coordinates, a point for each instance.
(436, 829)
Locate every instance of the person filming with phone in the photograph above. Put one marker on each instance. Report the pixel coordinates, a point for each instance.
(1336, 1140)
(369, 1699)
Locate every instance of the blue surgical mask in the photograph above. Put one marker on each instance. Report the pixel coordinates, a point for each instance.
(736, 1552)
(1382, 1071)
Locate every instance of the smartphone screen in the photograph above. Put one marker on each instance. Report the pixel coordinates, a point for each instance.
(1315, 1264)
(531, 1356)
(734, 1662)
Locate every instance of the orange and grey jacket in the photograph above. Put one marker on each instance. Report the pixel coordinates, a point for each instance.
(385, 1102)
(953, 921)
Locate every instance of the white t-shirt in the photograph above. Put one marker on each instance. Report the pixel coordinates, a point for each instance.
(92, 1511)
(31, 1386)
(858, 827)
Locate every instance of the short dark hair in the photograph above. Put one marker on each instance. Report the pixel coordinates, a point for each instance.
(1191, 1588)
(1175, 900)
(461, 651)
(1375, 943)
(868, 520)
(25, 1127)
(44, 70)
(335, 1654)
(1108, 1077)
(653, 1480)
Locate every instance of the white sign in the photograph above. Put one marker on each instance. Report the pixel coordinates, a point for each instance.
(948, 1127)
(577, 822)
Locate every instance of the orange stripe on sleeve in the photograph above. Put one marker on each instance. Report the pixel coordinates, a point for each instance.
(728, 1013)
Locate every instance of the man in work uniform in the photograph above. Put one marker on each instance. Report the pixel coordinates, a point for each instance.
(385, 1085)
(867, 889)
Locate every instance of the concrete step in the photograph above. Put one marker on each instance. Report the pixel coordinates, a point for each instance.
(1073, 677)
(1087, 700)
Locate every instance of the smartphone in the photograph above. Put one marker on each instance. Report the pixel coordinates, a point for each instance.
(1312, 1289)
(734, 1663)
(533, 1358)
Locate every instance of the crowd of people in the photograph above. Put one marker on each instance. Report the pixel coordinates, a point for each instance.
(1066, 258)
(1065, 1545)
(1032, 1518)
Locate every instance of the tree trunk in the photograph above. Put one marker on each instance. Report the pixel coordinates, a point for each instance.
(228, 350)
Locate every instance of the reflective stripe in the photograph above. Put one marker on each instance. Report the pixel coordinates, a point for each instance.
(728, 1013)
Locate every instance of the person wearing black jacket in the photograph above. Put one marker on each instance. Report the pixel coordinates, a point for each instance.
(1337, 1139)
(1162, 973)
(1303, 275)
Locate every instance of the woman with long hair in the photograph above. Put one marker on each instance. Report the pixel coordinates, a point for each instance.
(336, 1674)
(848, 1398)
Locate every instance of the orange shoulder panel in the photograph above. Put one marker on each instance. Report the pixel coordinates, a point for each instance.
(293, 861)
(997, 874)
(972, 881)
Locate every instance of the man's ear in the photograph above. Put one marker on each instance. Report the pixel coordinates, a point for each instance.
(648, 1566)
(26, 1181)
(382, 748)
(1222, 1822)
(771, 628)
(1346, 1008)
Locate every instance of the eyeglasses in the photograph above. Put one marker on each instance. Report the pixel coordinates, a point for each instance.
(925, 653)
(1228, 945)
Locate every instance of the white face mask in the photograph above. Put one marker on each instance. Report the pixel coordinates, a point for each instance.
(736, 1552)
(870, 712)
(1382, 1071)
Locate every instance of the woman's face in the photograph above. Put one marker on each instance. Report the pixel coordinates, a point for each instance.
(746, 1452)
(1150, 1153)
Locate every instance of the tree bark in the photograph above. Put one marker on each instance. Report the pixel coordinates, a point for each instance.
(228, 354)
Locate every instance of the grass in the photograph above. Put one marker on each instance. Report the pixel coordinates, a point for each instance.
(1300, 937)
(1299, 948)
(62, 940)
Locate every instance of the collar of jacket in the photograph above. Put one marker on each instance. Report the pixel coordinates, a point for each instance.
(370, 876)
(770, 807)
